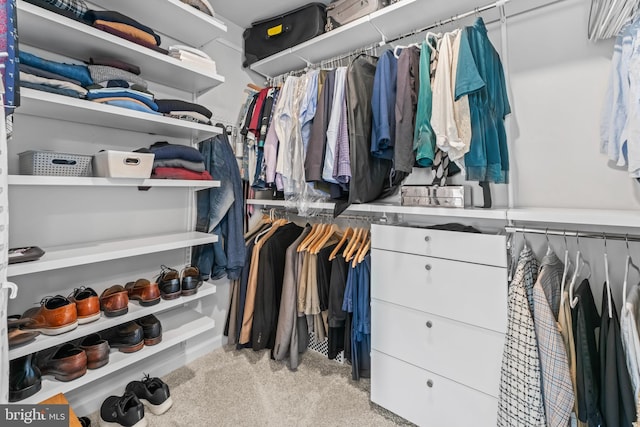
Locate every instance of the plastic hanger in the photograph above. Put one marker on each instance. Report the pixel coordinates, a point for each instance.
(567, 267)
(628, 263)
(12, 287)
(606, 275)
(549, 247)
(574, 300)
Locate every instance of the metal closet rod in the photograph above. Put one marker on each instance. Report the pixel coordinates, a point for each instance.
(283, 212)
(572, 233)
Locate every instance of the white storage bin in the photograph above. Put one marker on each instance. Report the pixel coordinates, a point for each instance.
(123, 164)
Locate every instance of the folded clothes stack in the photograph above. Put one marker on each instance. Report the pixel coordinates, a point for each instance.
(51, 76)
(201, 5)
(193, 57)
(184, 110)
(124, 27)
(133, 98)
(173, 161)
(73, 9)
(105, 75)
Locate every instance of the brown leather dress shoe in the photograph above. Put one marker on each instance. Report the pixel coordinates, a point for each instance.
(17, 336)
(97, 350)
(56, 315)
(87, 304)
(114, 301)
(65, 363)
(145, 292)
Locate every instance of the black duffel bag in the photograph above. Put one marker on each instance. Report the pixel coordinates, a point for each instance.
(281, 32)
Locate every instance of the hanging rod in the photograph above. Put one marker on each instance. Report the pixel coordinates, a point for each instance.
(572, 233)
(321, 215)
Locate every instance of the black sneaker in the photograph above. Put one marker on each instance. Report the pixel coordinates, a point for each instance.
(122, 411)
(153, 393)
(169, 282)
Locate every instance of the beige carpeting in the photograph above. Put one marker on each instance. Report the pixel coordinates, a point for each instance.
(247, 388)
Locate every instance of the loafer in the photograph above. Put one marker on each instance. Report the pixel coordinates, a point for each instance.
(151, 328)
(17, 336)
(190, 280)
(24, 378)
(169, 282)
(153, 393)
(143, 291)
(65, 363)
(96, 349)
(87, 304)
(125, 410)
(114, 301)
(128, 337)
(56, 315)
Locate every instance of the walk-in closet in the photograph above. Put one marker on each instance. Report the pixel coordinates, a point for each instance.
(358, 213)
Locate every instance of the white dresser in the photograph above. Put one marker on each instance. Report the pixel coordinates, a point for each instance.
(438, 315)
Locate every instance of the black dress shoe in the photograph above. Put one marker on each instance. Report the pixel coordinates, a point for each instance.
(84, 421)
(126, 411)
(152, 329)
(24, 378)
(169, 282)
(153, 393)
(127, 338)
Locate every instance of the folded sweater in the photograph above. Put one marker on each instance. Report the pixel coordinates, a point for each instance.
(179, 173)
(73, 71)
(116, 63)
(164, 151)
(173, 105)
(124, 35)
(112, 16)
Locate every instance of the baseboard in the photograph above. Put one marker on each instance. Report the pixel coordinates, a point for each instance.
(89, 398)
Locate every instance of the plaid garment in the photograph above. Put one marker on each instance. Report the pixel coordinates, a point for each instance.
(520, 402)
(77, 7)
(556, 377)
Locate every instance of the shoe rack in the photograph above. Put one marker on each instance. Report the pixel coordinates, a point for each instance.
(98, 232)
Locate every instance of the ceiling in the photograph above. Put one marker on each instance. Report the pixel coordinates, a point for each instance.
(244, 12)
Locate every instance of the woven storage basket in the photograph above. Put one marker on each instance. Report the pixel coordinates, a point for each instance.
(52, 163)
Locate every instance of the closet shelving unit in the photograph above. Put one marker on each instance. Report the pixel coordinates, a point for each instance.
(54, 33)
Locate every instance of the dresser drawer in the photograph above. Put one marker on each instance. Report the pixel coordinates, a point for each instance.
(427, 399)
(470, 247)
(470, 293)
(469, 355)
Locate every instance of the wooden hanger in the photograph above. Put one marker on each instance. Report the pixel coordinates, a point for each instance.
(358, 240)
(362, 253)
(331, 230)
(352, 241)
(348, 233)
(319, 235)
(310, 237)
(254, 87)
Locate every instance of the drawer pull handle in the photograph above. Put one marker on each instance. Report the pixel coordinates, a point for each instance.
(427, 267)
(429, 324)
(427, 238)
(430, 383)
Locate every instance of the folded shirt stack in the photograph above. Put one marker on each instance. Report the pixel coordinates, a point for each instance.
(201, 5)
(184, 110)
(130, 98)
(173, 161)
(124, 27)
(193, 57)
(103, 74)
(73, 9)
(51, 76)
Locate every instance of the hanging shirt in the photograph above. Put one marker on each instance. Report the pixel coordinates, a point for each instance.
(408, 87)
(308, 107)
(618, 401)
(284, 118)
(443, 119)
(481, 77)
(629, 319)
(565, 326)
(383, 105)
(342, 161)
(424, 139)
(585, 321)
(334, 123)
(461, 111)
(314, 159)
(520, 402)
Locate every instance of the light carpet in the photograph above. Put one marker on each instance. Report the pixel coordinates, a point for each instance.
(245, 388)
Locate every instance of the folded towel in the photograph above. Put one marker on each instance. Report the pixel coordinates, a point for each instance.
(179, 173)
(169, 105)
(112, 16)
(73, 71)
(60, 84)
(164, 151)
(103, 73)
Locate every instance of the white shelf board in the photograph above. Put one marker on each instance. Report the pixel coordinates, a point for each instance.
(596, 217)
(51, 105)
(70, 181)
(278, 63)
(174, 18)
(375, 207)
(177, 326)
(88, 253)
(136, 311)
(55, 33)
